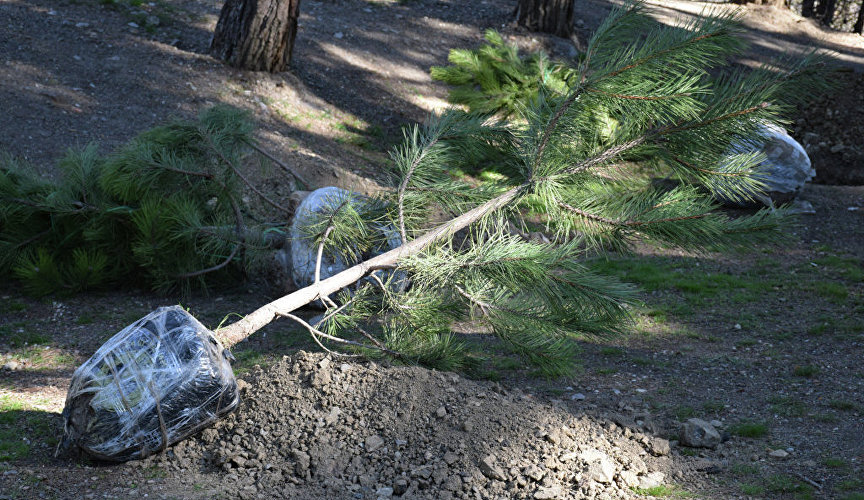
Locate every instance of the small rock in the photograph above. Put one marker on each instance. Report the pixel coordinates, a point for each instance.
(441, 412)
(11, 365)
(490, 469)
(132, 25)
(779, 454)
(629, 478)
(400, 486)
(467, 426)
(549, 493)
(450, 458)
(602, 471)
(82, 25)
(737, 326)
(209, 435)
(651, 480)
(333, 416)
(338, 34)
(534, 472)
(659, 446)
(374, 442)
(385, 492)
(152, 21)
(716, 423)
(577, 397)
(698, 433)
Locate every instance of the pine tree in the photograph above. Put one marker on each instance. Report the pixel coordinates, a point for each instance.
(166, 210)
(641, 103)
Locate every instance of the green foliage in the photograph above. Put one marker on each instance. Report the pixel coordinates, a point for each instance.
(495, 79)
(164, 210)
(577, 160)
(750, 429)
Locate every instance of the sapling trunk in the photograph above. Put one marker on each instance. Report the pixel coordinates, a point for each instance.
(261, 317)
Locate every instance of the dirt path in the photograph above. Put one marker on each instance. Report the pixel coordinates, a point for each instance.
(768, 345)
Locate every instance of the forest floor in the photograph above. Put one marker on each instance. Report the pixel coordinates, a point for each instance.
(767, 344)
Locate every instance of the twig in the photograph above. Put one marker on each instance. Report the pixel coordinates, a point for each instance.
(314, 331)
(404, 185)
(240, 227)
(808, 480)
(284, 167)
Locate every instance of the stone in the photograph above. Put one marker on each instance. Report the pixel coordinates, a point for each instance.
(602, 471)
(549, 493)
(698, 433)
(629, 478)
(534, 472)
(659, 446)
(373, 442)
(451, 458)
(304, 253)
(441, 412)
(600, 467)
(11, 365)
(385, 492)
(490, 469)
(651, 480)
(400, 486)
(779, 454)
(786, 167)
(577, 397)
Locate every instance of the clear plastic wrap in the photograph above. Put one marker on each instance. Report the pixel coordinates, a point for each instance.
(157, 381)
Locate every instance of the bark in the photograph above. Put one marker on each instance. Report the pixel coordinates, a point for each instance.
(256, 35)
(546, 16)
(859, 24)
(807, 8)
(828, 15)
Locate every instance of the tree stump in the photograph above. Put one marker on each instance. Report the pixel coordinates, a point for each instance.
(256, 35)
(546, 16)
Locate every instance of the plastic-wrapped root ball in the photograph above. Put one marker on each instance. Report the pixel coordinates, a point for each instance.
(154, 383)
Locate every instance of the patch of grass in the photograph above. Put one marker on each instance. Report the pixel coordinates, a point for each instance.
(785, 484)
(806, 371)
(606, 371)
(850, 484)
(748, 342)
(611, 351)
(246, 359)
(852, 496)
(834, 462)
(713, 406)
(756, 490)
(683, 412)
(664, 491)
(848, 267)
(20, 425)
(750, 429)
(743, 469)
(843, 405)
(12, 306)
(787, 407)
(84, 319)
(831, 290)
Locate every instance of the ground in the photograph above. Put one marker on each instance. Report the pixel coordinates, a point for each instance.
(766, 343)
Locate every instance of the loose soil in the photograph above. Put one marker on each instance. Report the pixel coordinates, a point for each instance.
(310, 426)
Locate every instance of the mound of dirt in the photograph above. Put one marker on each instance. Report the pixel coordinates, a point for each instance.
(830, 128)
(312, 427)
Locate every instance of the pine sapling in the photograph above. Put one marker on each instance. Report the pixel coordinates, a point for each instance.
(468, 251)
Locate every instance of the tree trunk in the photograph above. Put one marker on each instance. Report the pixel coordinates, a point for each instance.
(859, 24)
(807, 8)
(546, 16)
(256, 35)
(828, 15)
